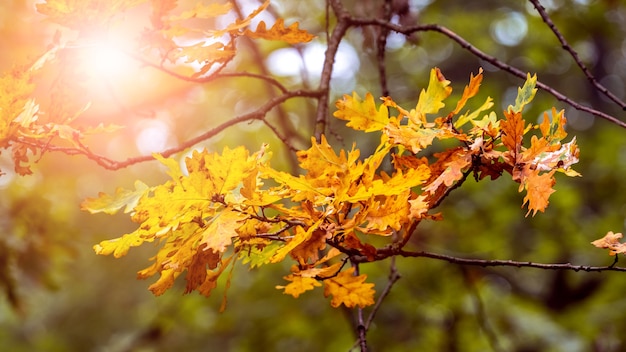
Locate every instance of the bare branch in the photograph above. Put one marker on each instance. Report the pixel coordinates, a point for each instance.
(565, 45)
(490, 262)
(394, 276)
(361, 328)
(110, 164)
(491, 59)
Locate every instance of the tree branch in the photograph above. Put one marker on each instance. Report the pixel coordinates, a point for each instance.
(565, 45)
(491, 59)
(110, 164)
(321, 119)
(494, 262)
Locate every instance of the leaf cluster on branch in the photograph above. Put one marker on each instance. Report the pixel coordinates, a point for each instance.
(223, 207)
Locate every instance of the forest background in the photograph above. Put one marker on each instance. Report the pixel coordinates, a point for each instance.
(60, 296)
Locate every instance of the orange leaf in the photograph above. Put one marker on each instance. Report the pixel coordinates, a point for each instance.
(291, 34)
(349, 290)
(450, 168)
(538, 190)
(470, 90)
(512, 132)
(611, 241)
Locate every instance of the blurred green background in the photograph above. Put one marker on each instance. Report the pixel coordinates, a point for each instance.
(59, 296)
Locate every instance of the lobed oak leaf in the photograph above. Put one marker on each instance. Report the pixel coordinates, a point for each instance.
(386, 216)
(197, 272)
(525, 94)
(291, 34)
(563, 158)
(111, 204)
(538, 190)
(309, 250)
(164, 282)
(349, 290)
(220, 230)
(611, 241)
(298, 285)
(473, 115)
(362, 115)
(470, 90)
(301, 235)
(202, 53)
(240, 23)
(119, 246)
(448, 168)
(418, 207)
(431, 100)
(553, 129)
(201, 10)
(512, 133)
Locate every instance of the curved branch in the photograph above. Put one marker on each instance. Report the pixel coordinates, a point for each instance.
(258, 114)
(206, 79)
(491, 59)
(565, 45)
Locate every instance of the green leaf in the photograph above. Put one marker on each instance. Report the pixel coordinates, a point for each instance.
(111, 204)
(525, 94)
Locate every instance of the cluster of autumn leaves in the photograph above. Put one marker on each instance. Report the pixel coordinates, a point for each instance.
(229, 206)
(232, 206)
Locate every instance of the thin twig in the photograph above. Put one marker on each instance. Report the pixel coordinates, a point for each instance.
(491, 59)
(494, 262)
(565, 45)
(362, 330)
(110, 164)
(394, 276)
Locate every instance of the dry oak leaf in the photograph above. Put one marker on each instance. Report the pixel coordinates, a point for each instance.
(611, 241)
(349, 290)
(291, 34)
(298, 285)
(538, 190)
(362, 115)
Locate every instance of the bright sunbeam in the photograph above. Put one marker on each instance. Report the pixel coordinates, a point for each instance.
(104, 59)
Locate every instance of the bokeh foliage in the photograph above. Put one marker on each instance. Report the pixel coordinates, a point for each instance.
(59, 296)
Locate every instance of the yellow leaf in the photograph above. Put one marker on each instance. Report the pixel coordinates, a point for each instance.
(525, 94)
(393, 213)
(362, 115)
(111, 204)
(298, 285)
(300, 236)
(470, 90)
(431, 100)
(119, 246)
(349, 290)
(242, 23)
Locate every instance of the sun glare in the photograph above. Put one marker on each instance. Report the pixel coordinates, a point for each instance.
(105, 59)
